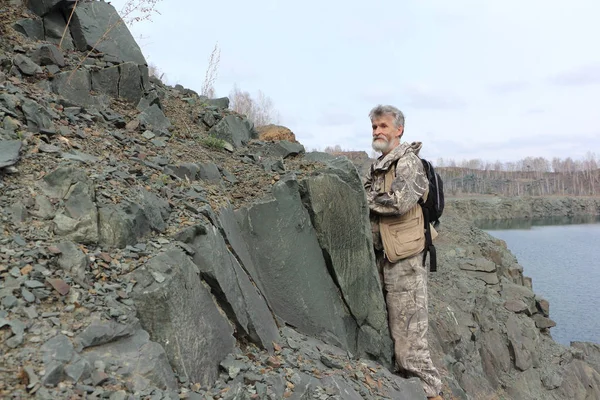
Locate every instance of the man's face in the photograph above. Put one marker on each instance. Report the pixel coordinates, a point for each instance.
(385, 135)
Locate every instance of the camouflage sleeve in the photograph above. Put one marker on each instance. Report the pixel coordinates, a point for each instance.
(408, 186)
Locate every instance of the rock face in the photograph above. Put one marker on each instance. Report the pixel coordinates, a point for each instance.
(500, 208)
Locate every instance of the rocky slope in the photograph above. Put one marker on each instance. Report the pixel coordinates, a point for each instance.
(152, 247)
(501, 208)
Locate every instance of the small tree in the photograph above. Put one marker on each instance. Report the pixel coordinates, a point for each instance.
(208, 86)
(260, 111)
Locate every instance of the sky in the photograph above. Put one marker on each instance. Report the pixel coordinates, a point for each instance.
(490, 80)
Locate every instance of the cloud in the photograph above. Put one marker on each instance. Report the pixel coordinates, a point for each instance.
(336, 117)
(582, 76)
(419, 97)
(509, 87)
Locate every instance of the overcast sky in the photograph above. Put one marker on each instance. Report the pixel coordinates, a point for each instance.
(495, 80)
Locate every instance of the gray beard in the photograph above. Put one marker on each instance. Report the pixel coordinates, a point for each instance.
(380, 145)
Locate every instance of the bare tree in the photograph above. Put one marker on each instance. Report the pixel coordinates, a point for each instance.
(260, 110)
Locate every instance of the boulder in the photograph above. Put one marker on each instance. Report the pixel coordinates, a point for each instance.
(48, 54)
(222, 271)
(9, 152)
(273, 133)
(31, 28)
(335, 200)
(234, 130)
(130, 82)
(75, 87)
(106, 80)
(26, 65)
(54, 27)
(42, 7)
(91, 21)
(291, 268)
(179, 312)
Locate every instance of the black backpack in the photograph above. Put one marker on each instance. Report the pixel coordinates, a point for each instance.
(433, 209)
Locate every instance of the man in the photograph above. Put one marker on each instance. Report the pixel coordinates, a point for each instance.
(394, 184)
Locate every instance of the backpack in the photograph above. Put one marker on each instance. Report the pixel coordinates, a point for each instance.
(433, 209)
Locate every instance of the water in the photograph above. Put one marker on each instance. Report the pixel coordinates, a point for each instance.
(562, 256)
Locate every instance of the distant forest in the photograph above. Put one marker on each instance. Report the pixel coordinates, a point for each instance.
(531, 176)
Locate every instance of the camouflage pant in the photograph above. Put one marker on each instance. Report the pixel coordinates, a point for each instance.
(405, 286)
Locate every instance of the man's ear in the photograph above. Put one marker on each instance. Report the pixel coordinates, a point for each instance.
(400, 132)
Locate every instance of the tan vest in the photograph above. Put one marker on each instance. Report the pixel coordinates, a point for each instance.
(402, 236)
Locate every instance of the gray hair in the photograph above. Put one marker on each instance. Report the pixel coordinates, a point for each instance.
(381, 110)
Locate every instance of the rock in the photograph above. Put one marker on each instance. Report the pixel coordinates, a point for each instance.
(288, 260)
(234, 130)
(106, 80)
(284, 149)
(153, 118)
(31, 28)
(73, 260)
(543, 322)
(141, 362)
(340, 216)
(36, 115)
(219, 103)
(9, 152)
(512, 292)
(184, 170)
(26, 65)
(273, 132)
(121, 225)
(155, 209)
(130, 82)
(181, 314)
(75, 87)
(222, 271)
(48, 54)
(42, 7)
(523, 337)
(209, 172)
(91, 21)
(54, 27)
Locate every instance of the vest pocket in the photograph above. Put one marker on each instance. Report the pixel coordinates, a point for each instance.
(403, 236)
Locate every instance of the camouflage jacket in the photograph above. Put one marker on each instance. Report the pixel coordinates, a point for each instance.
(409, 185)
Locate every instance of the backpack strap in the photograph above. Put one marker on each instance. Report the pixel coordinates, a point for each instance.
(429, 247)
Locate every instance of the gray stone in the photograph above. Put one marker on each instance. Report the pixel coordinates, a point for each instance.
(142, 363)
(185, 170)
(130, 82)
(106, 80)
(522, 337)
(58, 349)
(543, 322)
(9, 152)
(209, 172)
(72, 259)
(284, 149)
(121, 225)
(58, 183)
(181, 314)
(221, 270)
(32, 28)
(149, 100)
(78, 370)
(220, 103)
(77, 155)
(289, 260)
(54, 27)
(75, 87)
(148, 135)
(337, 385)
(90, 24)
(36, 115)
(155, 209)
(480, 264)
(42, 7)
(48, 54)
(26, 65)
(154, 119)
(234, 130)
(513, 292)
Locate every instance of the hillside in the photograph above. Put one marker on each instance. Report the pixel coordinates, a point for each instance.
(152, 246)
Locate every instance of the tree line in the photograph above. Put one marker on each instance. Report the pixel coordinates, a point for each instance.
(533, 176)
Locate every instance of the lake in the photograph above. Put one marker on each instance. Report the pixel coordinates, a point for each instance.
(562, 256)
